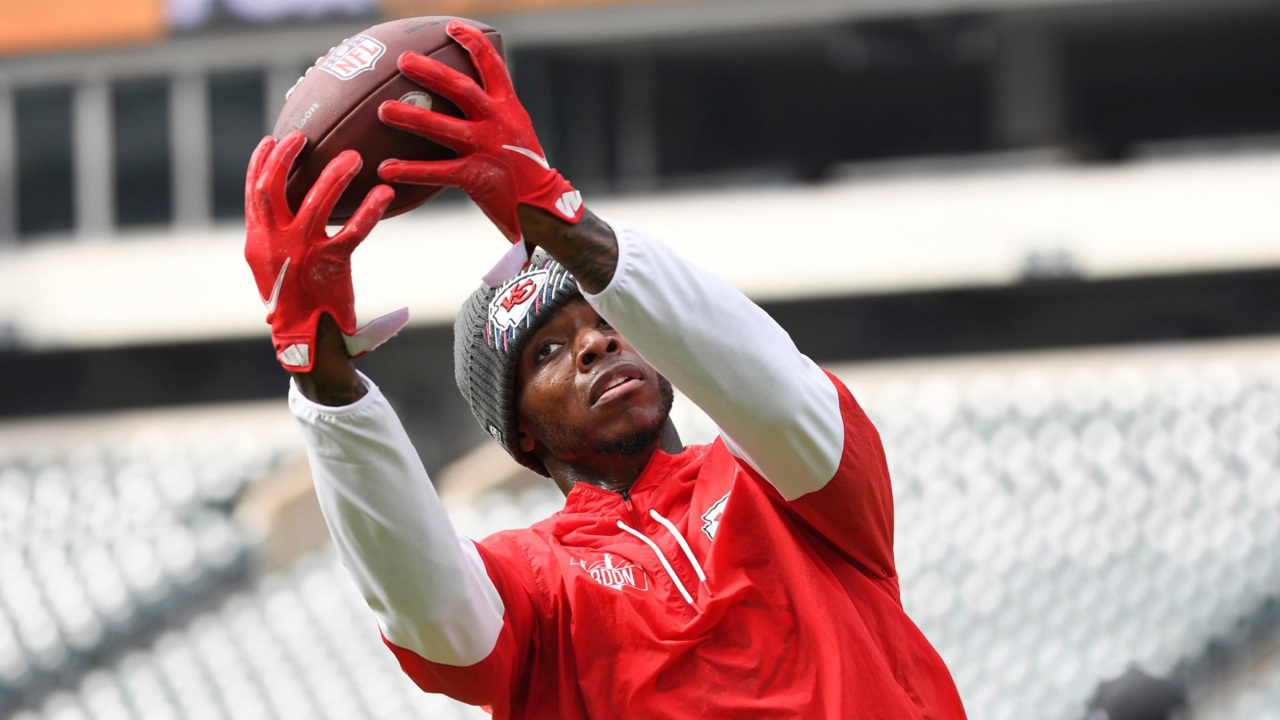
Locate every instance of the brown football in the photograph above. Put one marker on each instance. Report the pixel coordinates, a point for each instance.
(335, 104)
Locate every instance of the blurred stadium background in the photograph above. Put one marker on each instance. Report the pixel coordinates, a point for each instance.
(1038, 238)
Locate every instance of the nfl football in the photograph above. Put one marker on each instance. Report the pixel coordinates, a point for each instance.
(335, 104)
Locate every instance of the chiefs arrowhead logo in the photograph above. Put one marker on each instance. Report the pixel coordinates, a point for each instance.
(518, 295)
(711, 518)
(514, 301)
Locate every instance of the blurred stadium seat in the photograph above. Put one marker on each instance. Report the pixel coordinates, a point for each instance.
(300, 645)
(104, 543)
(1053, 529)
(1056, 523)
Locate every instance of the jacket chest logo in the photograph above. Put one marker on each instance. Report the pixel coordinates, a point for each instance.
(711, 518)
(616, 574)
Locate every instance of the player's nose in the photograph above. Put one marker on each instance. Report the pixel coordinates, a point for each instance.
(591, 344)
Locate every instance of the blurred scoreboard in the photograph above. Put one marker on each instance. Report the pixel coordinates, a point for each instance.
(61, 24)
(53, 25)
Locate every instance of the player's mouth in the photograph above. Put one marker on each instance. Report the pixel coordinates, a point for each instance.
(615, 383)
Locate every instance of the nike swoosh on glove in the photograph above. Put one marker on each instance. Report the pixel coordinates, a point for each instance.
(500, 162)
(300, 270)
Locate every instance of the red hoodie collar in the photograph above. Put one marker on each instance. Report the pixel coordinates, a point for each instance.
(585, 497)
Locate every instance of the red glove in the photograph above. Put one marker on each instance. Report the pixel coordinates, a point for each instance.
(302, 272)
(500, 163)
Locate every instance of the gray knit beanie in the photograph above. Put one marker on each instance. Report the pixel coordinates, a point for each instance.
(492, 327)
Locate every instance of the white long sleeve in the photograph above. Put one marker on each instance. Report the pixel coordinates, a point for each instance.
(775, 407)
(426, 585)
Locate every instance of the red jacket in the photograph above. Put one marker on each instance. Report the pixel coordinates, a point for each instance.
(750, 578)
(703, 594)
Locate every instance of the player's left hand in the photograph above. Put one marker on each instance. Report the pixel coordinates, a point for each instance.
(300, 270)
(500, 162)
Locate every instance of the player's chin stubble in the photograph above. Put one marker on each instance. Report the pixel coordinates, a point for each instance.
(569, 440)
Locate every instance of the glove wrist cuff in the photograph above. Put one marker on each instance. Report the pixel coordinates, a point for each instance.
(557, 197)
(295, 351)
(293, 334)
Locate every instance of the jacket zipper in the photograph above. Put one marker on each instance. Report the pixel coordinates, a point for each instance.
(631, 509)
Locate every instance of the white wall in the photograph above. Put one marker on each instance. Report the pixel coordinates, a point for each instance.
(851, 237)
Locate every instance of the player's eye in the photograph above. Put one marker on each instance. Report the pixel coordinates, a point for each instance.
(602, 323)
(546, 349)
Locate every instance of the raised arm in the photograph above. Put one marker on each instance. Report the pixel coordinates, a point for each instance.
(427, 586)
(788, 419)
(778, 410)
(438, 598)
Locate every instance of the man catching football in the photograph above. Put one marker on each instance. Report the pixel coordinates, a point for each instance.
(750, 578)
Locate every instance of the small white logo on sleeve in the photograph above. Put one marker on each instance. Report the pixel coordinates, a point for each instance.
(353, 57)
(711, 518)
(569, 203)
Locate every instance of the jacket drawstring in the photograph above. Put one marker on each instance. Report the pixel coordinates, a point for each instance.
(662, 559)
(680, 539)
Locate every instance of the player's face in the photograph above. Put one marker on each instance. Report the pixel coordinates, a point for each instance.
(582, 390)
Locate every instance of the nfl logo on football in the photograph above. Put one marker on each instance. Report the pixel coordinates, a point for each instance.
(353, 57)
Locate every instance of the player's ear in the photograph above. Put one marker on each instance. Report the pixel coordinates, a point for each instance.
(524, 438)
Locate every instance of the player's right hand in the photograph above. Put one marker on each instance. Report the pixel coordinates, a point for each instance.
(301, 271)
